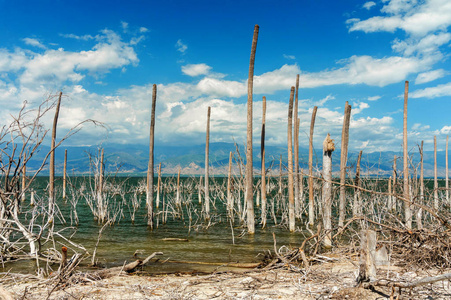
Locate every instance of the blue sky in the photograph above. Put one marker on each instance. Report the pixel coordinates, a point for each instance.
(105, 56)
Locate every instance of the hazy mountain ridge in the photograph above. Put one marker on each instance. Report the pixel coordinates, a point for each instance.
(133, 159)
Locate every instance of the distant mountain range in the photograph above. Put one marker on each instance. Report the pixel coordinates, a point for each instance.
(133, 159)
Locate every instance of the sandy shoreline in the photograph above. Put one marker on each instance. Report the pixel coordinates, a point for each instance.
(332, 280)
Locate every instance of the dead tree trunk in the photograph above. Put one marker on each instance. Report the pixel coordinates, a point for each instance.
(207, 151)
(229, 188)
(343, 161)
(357, 207)
(447, 174)
(435, 175)
(407, 208)
(263, 185)
(394, 185)
(291, 216)
(52, 162)
(367, 270)
(421, 196)
(249, 166)
(311, 206)
(24, 183)
(157, 202)
(328, 148)
(297, 210)
(64, 174)
(150, 169)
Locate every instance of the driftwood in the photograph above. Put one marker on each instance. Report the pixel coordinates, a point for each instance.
(419, 282)
(128, 268)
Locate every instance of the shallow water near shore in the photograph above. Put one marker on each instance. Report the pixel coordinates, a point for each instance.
(182, 241)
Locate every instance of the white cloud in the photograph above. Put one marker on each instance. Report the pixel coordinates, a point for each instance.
(445, 130)
(181, 47)
(414, 17)
(85, 37)
(291, 57)
(124, 26)
(143, 29)
(420, 127)
(216, 87)
(60, 65)
(426, 46)
(34, 43)
(373, 98)
(432, 92)
(196, 69)
(368, 5)
(430, 76)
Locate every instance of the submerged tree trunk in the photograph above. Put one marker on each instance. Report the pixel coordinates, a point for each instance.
(291, 216)
(207, 151)
(263, 167)
(328, 148)
(64, 174)
(229, 188)
(150, 169)
(357, 207)
(447, 173)
(311, 207)
(157, 202)
(407, 208)
(296, 151)
(435, 175)
(421, 196)
(52, 163)
(249, 166)
(343, 161)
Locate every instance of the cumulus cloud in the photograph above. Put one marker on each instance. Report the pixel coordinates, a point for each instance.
(430, 76)
(373, 98)
(196, 69)
(414, 17)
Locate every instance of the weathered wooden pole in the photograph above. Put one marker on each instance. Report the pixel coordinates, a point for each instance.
(263, 167)
(52, 162)
(435, 175)
(447, 173)
(157, 202)
(207, 163)
(297, 210)
(421, 196)
(178, 200)
(64, 174)
(150, 168)
(394, 185)
(311, 206)
(343, 161)
(407, 209)
(328, 148)
(249, 166)
(24, 184)
(229, 187)
(357, 207)
(291, 216)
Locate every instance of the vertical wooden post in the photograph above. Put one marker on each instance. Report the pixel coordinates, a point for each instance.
(150, 169)
(178, 201)
(407, 209)
(328, 148)
(207, 163)
(311, 207)
(296, 151)
(249, 165)
(64, 174)
(367, 270)
(421, 196)
(229, 188)
(435, 175)
(357, 207)
(343, 161)
(263, 167)
(291, 217)
(395, 174)
(157, 202)
(52, 162)
(447, 173)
